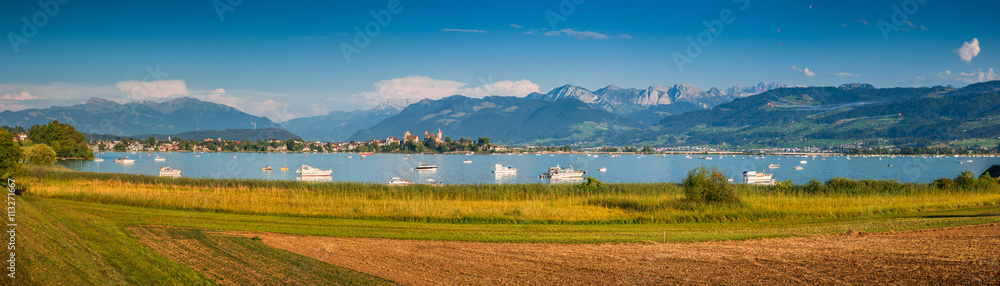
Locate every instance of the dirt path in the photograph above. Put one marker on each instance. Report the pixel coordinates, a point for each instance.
(964, 255)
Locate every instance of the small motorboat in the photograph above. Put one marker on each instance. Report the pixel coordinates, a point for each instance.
(283, 168)
(309, 171)
(426, 167)
(773, 166)
(159, 159)
(602, 169)
(234, 156)
(798, 168)
(168, 172)
(98, 159)
(395, 181)
(266, 168)
(803, 162)
(467, 161)
(501, 169)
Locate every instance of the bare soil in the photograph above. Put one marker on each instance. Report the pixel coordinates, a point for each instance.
(951, 256)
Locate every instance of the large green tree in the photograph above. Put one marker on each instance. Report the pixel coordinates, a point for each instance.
(63, 138)
(10, 156)
(40, 154)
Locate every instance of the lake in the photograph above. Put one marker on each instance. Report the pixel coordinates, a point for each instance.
(379, 168)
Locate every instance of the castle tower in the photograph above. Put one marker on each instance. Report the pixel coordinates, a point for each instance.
(439, 137)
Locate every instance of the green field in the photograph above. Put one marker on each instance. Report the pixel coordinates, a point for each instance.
(88, 235)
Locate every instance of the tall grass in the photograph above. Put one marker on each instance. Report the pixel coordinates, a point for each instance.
(619, 203)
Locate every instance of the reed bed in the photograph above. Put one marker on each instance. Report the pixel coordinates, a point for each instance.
(619, 203)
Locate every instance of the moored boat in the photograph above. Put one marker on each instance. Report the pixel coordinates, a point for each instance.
(752, 177)
(773, 166)
(603, 169)
(501, 169)
(557, 173)
(366, 153)
(426, 167)
(159, 159)
(309, 171)
(169, 172)
(283, 168)
(266, 168)
(467, 161)
(395, 181)
(98, 159)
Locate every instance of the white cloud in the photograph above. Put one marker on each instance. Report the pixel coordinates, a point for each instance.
(153, 89)
(518, 88)
(624, 36)
(515, 26)
(219, 91)
(948, 77)
(463, 30)
(968, 50)
(978, 76)
(577, 34)
(24, 95)
(845, 74)
(862, 21)
(805, 71)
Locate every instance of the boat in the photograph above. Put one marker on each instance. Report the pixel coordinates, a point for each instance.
(426, 167)
(433, 183)
(234, 156)
(395, 181)
(501, 169)
(752, 177)
(283, 168)
(366, 153)
(197, 155)
(309, 171)
(467, 161)
(603, 169)
(615, 156)
(98, 159)
(168, 172)
(557, 173)
(266, 168)
(773, 166)
(803, 162)
(688, 156)
(159, 159)
(126, 160)
(798, 168)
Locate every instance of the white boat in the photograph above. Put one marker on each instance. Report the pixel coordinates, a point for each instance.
(395, 181)
(98, 159)
(501, 169)
(234, 156)
(798, 168)
(603, 169)
(773, 166)
(752, 177)
(197, 155)
(803, 162)
(705, 158)
(124, 161)
(309, 171)
(426, 167)
(467, 161)
(168, 172)
(558, 173)
(159, 159)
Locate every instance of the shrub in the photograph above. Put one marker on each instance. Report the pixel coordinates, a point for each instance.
(590, 185)
(814, 187)
(944, 183)
(708, 185)
(965, 180)
(843, 185)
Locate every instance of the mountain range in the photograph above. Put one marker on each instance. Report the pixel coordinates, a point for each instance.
(101, 116)
(338, 126)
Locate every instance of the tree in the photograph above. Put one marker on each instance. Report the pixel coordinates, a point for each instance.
(40, 154)
(708, 185)
(447, 139)
(484, 141)
(151, 141)
(10, 156)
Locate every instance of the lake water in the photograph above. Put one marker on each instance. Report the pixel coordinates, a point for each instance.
(380, 168)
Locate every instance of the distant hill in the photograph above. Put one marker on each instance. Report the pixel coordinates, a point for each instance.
(228, 134)
(653, 103)
(100, 116)
(338, 126)
(506, 120)
(832, 115)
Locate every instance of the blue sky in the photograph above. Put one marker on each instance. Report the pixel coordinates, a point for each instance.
(285, 59)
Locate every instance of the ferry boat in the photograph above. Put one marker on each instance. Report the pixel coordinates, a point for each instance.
(308, 171)
(366, 153)
(773, 166)
(426, 167)
(168, 172)
(501, 169)
(752, 177)
(266, 168)
(395, 181)
(159, 159)
(557, 173)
